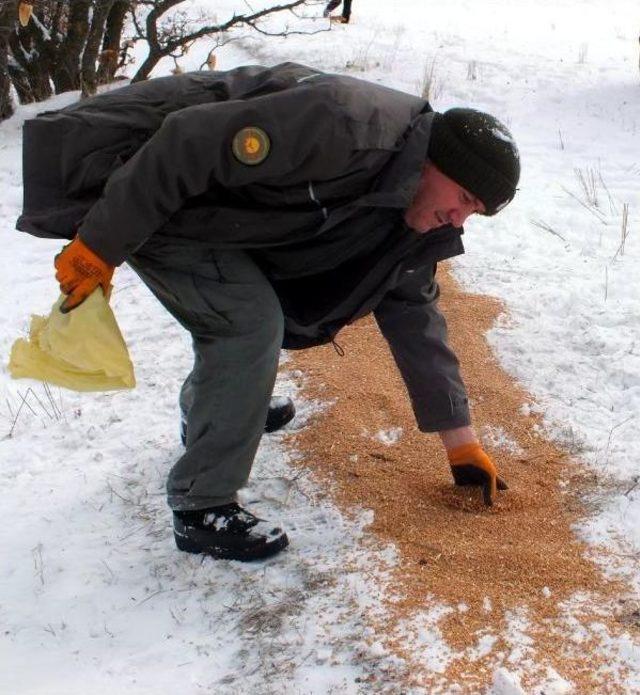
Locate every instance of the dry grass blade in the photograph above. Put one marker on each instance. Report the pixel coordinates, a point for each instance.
(624, 232)
(588, 181)
(547, 228)
(269, 616)
(430, 89)
(23, 402)
(592, 210)
(612, 205)
(51, 409)
(38, 562)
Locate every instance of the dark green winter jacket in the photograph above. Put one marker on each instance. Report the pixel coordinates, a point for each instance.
(321, 214)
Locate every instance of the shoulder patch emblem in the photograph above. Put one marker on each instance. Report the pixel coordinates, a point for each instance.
(251, 145)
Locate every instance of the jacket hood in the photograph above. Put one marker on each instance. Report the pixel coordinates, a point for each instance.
(397, 184)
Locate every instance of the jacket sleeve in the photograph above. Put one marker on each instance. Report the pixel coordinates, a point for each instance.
(192, 154)
(416, 331)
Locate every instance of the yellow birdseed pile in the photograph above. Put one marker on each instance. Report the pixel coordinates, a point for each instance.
(485, 564)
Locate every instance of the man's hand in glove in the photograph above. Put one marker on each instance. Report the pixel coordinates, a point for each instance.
(470, 465)
(79, 271)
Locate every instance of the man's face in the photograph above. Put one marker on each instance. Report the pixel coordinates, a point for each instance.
(439, 200)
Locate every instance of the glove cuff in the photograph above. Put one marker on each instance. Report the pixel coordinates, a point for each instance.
(90, 254)
(464, 453)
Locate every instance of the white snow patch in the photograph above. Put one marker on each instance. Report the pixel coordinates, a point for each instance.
(498, 438)
(506, 683)
(390, 436)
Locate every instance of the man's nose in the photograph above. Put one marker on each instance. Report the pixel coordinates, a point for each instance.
(457, 216)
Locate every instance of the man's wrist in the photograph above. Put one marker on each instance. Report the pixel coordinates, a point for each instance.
(458, 437)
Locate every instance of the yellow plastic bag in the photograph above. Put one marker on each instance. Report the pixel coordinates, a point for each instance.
(82, 350)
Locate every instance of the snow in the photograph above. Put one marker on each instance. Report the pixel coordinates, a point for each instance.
(505, 137)
(389, 436)
(498, 438)
(93, 595)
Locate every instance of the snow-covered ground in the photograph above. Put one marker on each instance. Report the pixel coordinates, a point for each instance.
(94, 597)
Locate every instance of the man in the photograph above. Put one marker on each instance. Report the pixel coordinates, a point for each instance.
(346, 10)
(268, 208)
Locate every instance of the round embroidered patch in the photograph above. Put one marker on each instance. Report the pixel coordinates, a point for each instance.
(251, 145)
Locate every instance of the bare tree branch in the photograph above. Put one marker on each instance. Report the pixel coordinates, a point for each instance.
(171, 39)
(287, 32)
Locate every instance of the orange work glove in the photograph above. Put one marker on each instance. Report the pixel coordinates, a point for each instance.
(470, 465)
(79, 271)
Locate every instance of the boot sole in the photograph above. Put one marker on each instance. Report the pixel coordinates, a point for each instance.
(220, 553)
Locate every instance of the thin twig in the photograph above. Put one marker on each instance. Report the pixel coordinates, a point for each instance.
(636, 481)
(132, 533)
(150, 596)
(612, 430)
(286, 32)
(117, 494)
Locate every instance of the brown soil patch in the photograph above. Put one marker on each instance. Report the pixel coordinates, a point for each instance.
(521, 554)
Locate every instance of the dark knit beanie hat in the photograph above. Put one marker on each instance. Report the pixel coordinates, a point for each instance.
(478, 153)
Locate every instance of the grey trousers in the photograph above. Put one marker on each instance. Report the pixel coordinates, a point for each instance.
(224, 300)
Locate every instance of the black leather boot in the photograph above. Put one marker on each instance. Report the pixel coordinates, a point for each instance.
(281, 412)
(228, 532)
